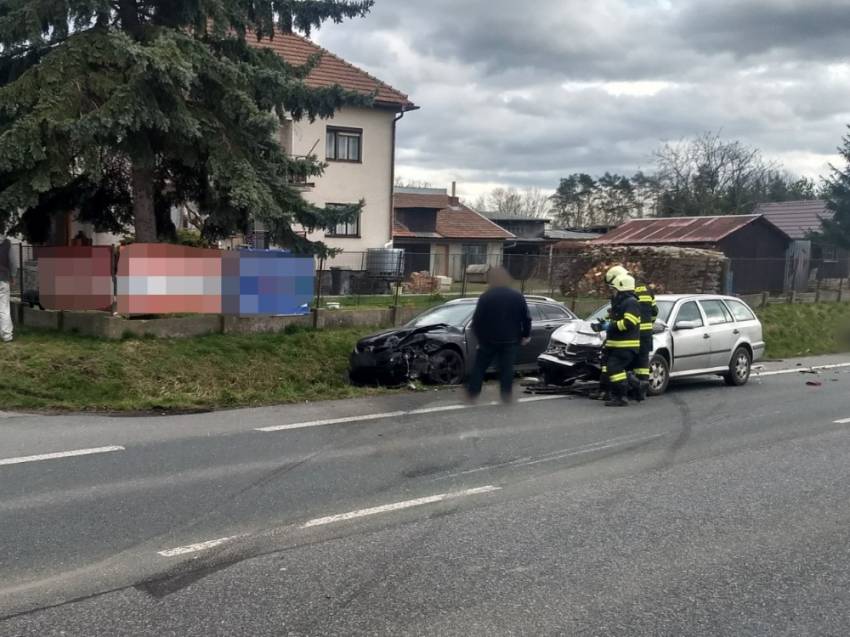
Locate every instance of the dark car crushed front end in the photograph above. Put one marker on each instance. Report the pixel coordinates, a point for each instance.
(394, 357)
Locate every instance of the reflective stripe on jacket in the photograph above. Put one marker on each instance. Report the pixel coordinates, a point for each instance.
(648, 307)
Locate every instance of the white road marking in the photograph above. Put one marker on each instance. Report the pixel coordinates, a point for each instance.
(843, 421)
(396, 414)
(398, 506)
(200, 546)
(802, 370)
(333, 421)
(60, 454)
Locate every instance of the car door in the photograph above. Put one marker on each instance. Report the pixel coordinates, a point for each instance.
(539, 337)
(721, 329)
(748, 325)
(691, 340)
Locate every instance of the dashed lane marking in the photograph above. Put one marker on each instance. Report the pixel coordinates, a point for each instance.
(60, 454)
(195, 548)
(398, 506)
(396, 414)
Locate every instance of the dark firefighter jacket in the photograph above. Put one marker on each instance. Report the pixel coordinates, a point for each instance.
(648, 307)
(624, 328)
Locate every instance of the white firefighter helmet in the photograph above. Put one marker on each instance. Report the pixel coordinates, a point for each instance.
(624, 283)
(614, 273)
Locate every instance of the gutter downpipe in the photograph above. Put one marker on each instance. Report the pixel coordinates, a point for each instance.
(396, 120)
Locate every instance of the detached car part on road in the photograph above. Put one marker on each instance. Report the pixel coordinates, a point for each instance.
(694, 335)
(438, 346)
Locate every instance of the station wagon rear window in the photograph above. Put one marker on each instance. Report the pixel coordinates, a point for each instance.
(740, 311)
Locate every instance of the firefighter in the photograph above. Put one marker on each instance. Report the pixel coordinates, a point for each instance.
(604, 392)
(623, 340)
(648, 314)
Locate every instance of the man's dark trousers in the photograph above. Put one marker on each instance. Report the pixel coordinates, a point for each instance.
(504, 354)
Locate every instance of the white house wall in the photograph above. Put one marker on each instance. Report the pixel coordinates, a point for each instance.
(348, 183)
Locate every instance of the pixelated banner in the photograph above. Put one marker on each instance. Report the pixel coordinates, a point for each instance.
(266, 282)
(159, 278)
(169, 279)
(75, 277)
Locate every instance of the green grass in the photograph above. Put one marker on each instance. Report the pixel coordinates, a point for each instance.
(806, 329)
(55, 371)
(48, 370)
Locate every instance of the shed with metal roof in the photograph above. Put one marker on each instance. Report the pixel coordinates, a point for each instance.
(755, 247)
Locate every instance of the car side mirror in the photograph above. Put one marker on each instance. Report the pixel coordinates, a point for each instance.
(659, 327)
(686, 325)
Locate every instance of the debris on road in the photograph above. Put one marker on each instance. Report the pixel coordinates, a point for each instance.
(814, 383)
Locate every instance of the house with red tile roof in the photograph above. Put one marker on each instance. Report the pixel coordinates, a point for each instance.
(358, 144)
(441, 235)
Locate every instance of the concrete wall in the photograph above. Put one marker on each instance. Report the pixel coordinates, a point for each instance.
(102, 325)
(348, 183)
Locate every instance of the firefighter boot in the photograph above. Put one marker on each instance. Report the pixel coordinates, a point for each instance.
(636, 388)
(618, 397)
(644, 390)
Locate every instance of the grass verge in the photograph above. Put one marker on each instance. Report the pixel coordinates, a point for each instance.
(806, 329)
(54, 371)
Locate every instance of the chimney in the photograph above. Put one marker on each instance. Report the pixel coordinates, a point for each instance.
(453, 200)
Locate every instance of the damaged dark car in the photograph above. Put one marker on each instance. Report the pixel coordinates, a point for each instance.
(438, 346)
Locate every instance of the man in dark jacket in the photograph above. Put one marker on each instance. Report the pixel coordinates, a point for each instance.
(501, 323)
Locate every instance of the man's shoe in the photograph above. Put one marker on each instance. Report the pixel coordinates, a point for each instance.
(617, 401)
(644, 391)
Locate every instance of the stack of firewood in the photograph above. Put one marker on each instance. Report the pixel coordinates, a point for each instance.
(421, 283)
(580, 268)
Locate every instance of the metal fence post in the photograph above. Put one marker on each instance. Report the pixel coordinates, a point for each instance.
(318, 293)
(21, 270)
(463, 280)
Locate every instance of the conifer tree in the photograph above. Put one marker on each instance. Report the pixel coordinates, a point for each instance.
(836, 231)
(122, 108)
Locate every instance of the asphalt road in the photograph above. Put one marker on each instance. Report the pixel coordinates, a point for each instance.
(709, 511)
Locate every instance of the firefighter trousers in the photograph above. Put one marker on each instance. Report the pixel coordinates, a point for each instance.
(641, 366)
(620, 361)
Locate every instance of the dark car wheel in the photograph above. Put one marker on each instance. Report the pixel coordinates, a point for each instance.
(659, 375)
(447, 368)
(739, 368)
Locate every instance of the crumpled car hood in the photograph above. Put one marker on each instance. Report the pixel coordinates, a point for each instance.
(578, 333)
(397, 336)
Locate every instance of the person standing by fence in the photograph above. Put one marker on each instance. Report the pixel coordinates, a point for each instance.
(8, 270)
(501, 323)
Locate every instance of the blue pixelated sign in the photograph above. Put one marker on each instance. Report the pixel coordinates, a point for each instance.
(270, 282)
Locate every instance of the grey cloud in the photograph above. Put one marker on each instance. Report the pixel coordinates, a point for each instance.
(490, 80)
(812, 28)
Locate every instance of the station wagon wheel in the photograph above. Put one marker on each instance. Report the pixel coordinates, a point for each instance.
(739, 368)
(659, 375)
(447, 368)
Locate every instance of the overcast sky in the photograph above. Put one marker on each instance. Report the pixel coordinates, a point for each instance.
(521, 93)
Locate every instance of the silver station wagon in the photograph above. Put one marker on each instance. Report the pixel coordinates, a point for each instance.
(694, 335)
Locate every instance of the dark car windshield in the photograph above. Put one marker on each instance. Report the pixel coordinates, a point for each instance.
(664, 309)
(456, 315)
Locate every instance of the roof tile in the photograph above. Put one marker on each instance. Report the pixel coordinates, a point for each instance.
(331, 69)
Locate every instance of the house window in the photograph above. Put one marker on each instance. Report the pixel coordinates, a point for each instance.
(350, 229)
(475, 253)
(344, 144)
